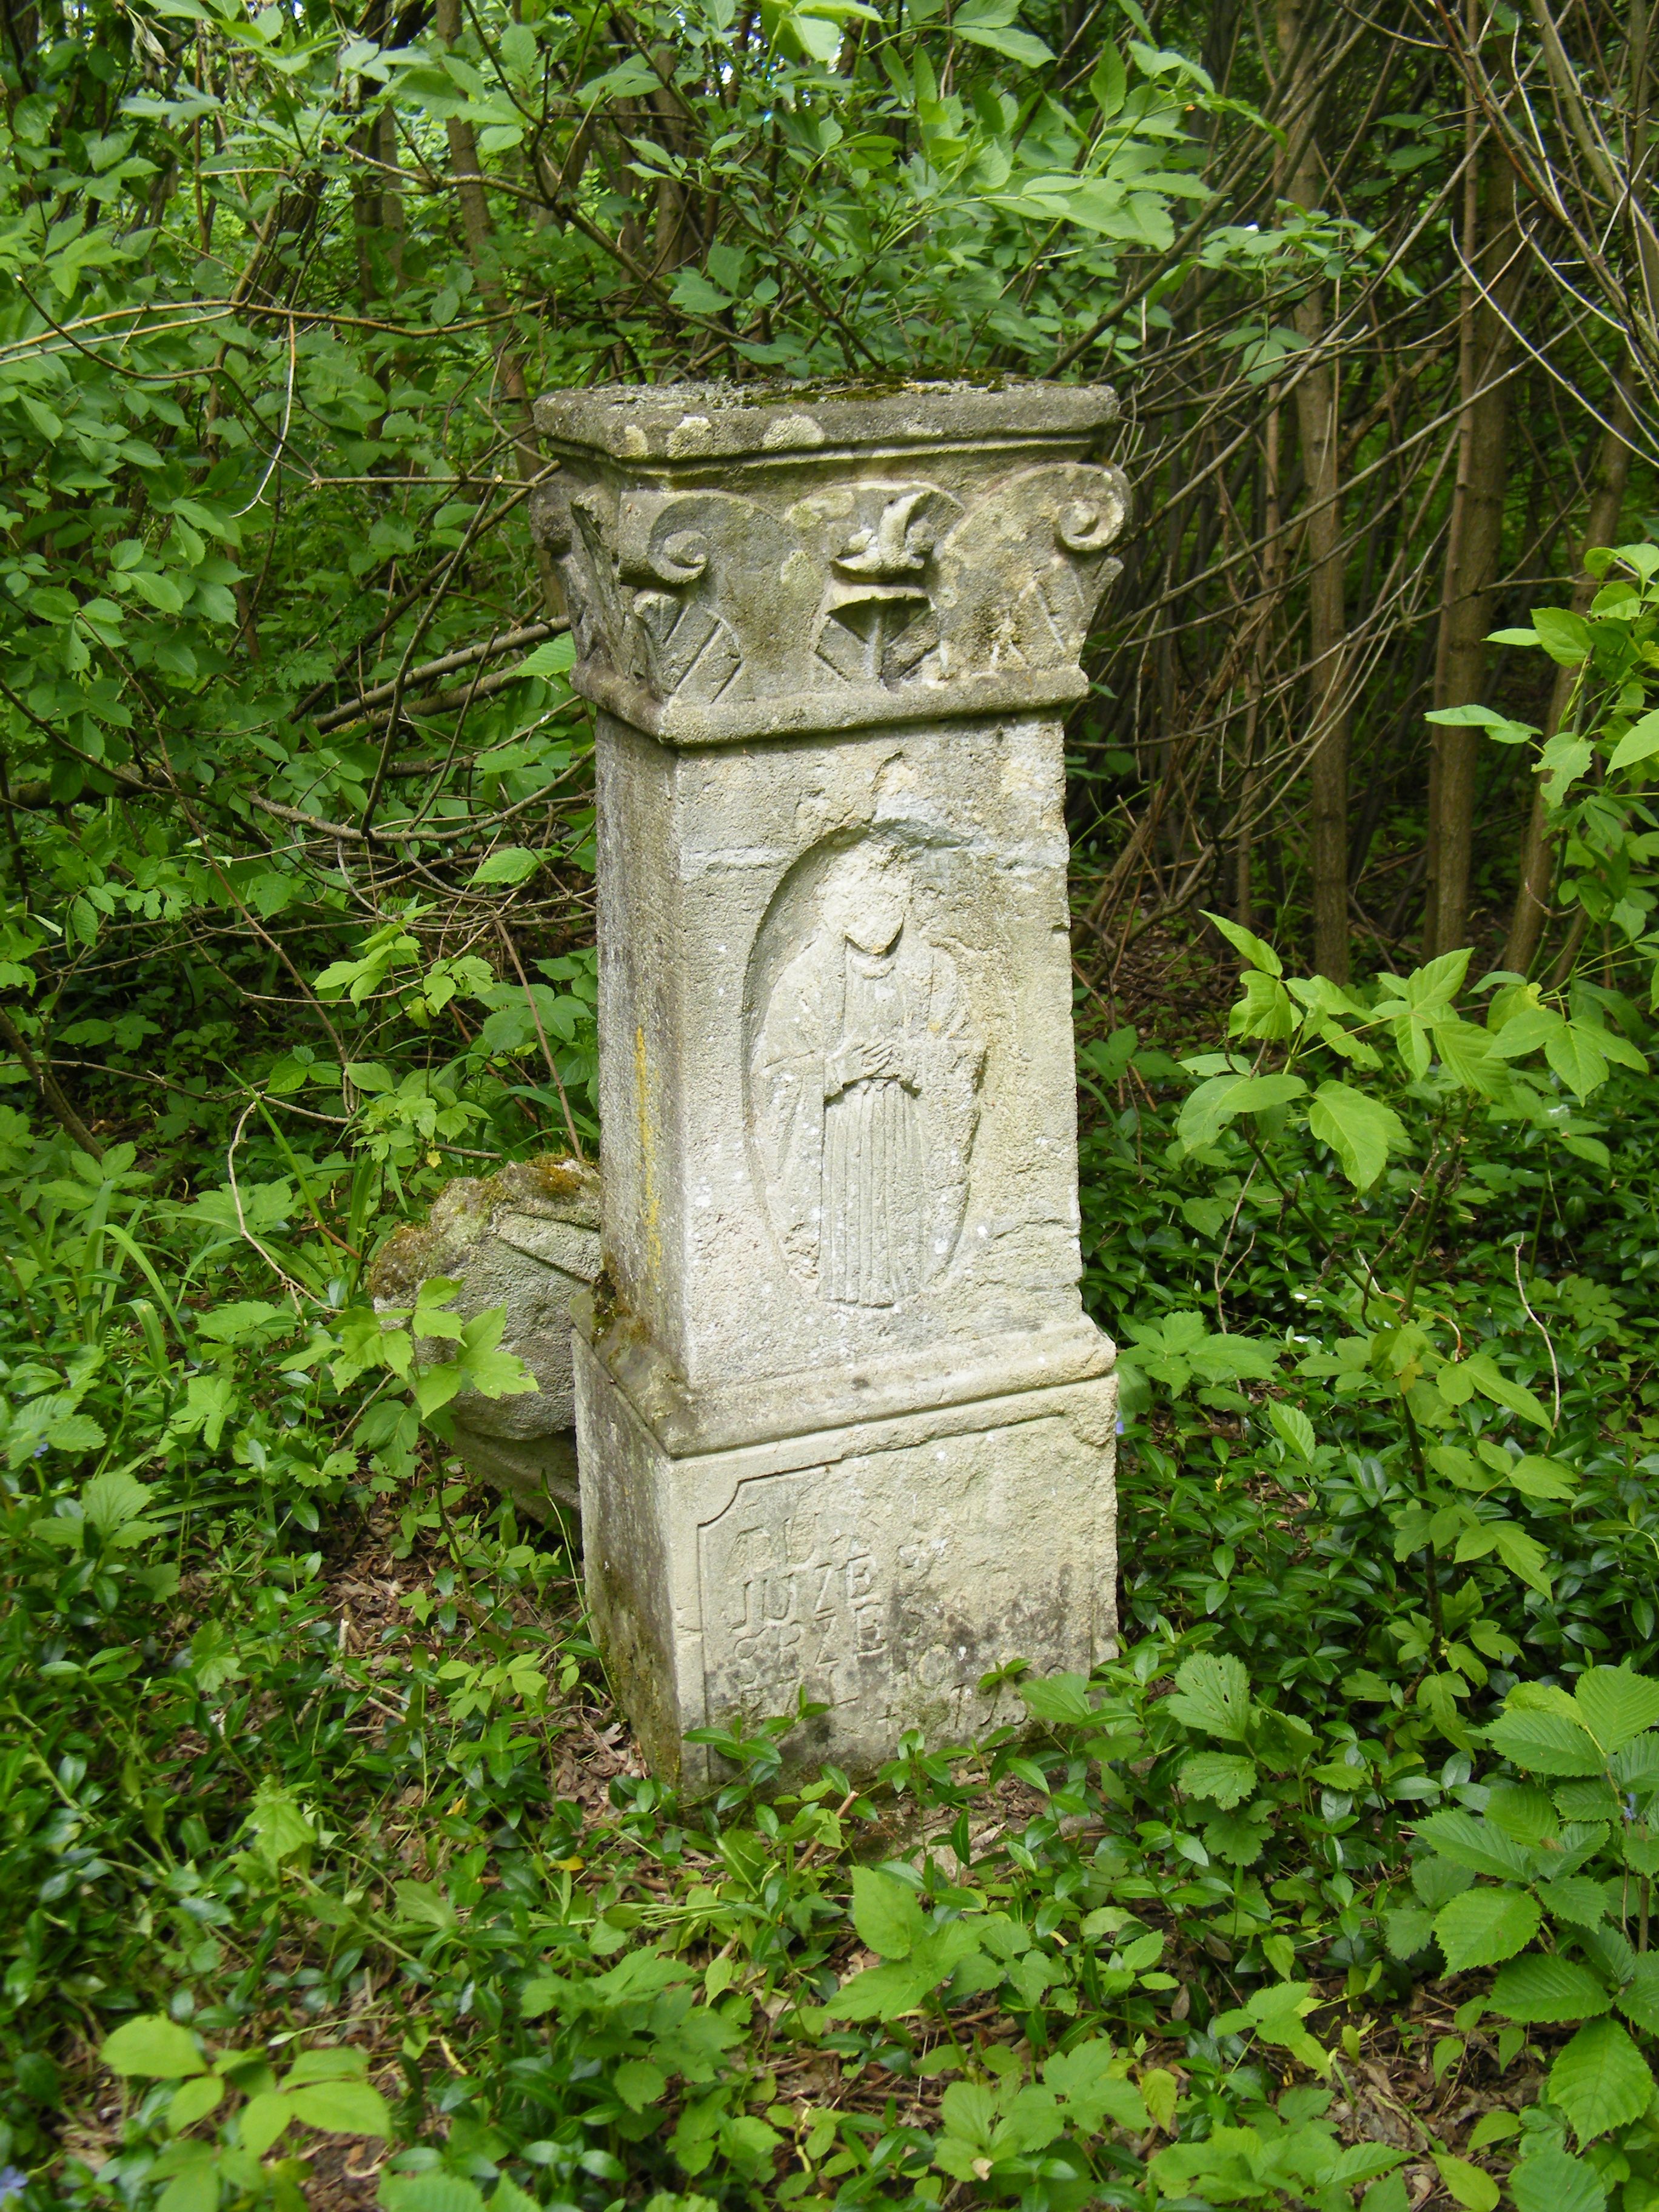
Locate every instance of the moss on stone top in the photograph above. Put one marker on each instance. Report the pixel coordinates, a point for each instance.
(553, 1186)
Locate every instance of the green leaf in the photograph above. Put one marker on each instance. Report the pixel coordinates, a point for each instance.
(1523, 1555)
(1255, 951)
(1544, 1988)
(1563, 635)
(1497, 725)
(1537, 1477)
(193, 2100)
(1639, 742)
(1543, 1744)
(345, 2108)
(507, 864)
(1212, 1692)
(1484, 1926)
(1491, 1383)
(195, 2187)
(1575, 1899)
(262, 2119)
(1290, 1423)
(639, 2083)
(1239, 1838)
(1092, 2093)
(429, 2192)
(328, 2062)
(153, 2045)
(886, 1913)
(1063, 1700)
(1616, 1704)
(1601, 2080)
(1222, 1777)
(1360, 1130)
(1109, 84)
(1472, 2186)
(1017, 45)
(1555, 2181)
(1207, 1110)
(1484, 1848)
(1639, 1998)
(554, 656)
(1575, 1053)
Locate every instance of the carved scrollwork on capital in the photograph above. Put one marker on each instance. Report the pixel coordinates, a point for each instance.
(737, 613)
(1021, 575)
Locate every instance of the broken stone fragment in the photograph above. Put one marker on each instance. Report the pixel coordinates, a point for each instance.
(526, 1238)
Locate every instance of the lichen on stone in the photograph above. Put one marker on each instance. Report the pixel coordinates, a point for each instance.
(553, 1185)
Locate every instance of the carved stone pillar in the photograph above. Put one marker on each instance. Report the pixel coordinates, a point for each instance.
(844, 1425)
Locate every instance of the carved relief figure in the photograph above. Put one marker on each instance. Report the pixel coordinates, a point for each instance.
(865, 1091)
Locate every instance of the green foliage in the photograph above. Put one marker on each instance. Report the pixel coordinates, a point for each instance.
(1596, 771)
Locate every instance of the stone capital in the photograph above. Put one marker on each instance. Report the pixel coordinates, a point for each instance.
(744, 562)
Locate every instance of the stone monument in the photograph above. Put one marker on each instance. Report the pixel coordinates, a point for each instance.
(843, 1425)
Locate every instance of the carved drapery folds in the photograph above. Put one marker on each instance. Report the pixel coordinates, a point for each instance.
(759, 573)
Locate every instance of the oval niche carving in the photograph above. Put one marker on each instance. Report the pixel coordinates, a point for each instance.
(864, 1068)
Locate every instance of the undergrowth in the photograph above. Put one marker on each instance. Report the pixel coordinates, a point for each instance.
(331, 1877)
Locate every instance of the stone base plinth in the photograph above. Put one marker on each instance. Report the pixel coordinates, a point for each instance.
(884, 1566)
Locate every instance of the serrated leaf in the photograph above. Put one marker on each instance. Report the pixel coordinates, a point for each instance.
(1543, 1744)
(1555, 2181)
(1575, 1054)
(1544, 1988)
(1639, 742)
(1616, 1704)
(1290, 1423)
(886, 1913)
(1523, 1555)
(1565, 636)
(1484, 1926)
(1575, 1899)
(1360, 1130)
(1238, 1838)
(1639, 1998)
(1212, 1692)
(429, 2192)
(1601, 2080)
(1407, 1929)
(507, 864)
(1483, 1371)
(1469, 1841)
(1224, 1778)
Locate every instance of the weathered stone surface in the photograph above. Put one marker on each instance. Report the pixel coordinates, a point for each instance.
(884, 1566)
(527, 1238)
(933, 549)
(829, 635)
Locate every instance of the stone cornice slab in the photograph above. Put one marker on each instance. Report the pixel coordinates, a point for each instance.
(745, 562)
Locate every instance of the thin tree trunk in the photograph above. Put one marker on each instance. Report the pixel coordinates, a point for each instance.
(1318, 422)
(1475, 540)
(480, 235)
(1608, 484)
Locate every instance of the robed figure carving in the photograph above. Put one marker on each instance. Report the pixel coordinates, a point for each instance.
(865, 1088)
